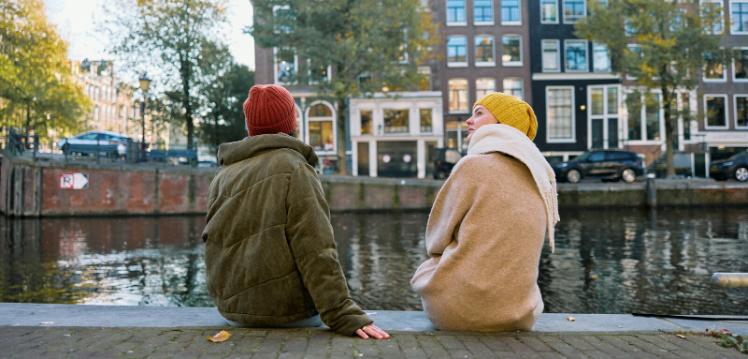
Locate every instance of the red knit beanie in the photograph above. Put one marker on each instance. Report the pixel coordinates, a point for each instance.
(269, 109)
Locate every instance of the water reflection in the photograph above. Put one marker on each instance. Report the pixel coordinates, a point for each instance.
(605, 261)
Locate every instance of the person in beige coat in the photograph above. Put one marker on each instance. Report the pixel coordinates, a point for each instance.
(486, 229)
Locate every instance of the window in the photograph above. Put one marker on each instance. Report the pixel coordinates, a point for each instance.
(634, 108)
(317, 72)
(559, 110)
(549, 11)
(483, 12)
(366, 122)
(576, 55)
(456, 12)
(457, 51)
(426, 116)
(484, 51)
(716, 114)
(458, 99)
(396, 121)
(600, 58)
(713, 8)
(285, 66)
(283, 17)
(652, 113)
(513, 86)
(511, 54)
(740, 65)
(741, 111)
(321, 131)
(510, 14)
(713, 69)
(739, 16)
(551, 56)
(574, 10)
(483, 86)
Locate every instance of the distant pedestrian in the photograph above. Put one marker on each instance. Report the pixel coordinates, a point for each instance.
(487, 226)
(270, 255)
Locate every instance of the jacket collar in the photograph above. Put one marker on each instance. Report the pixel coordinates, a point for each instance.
(232, 152)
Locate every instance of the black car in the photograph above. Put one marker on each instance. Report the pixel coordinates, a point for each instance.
(734, 167)
(445, 160)
(607, 164)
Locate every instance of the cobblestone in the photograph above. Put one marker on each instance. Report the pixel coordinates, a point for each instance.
(66, 342)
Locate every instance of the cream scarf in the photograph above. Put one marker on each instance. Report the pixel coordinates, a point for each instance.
(510, 141)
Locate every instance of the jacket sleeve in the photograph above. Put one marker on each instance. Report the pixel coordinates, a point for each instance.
(450, 206)
(312, 243)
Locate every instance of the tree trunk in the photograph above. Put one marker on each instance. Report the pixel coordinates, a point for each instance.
(671, 131)
(341, 128)
(186, 101)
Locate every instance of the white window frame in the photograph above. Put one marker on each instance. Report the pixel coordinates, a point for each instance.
(573, 138)
(722, 17)
(511, 23)
(594, 63)
(722, 79)
(544, 22)
(484, 23)
(563, 13)
(558, 54)
(519, 80)
(309, 72)
(446, 14)
(586, 55)
(467, 95)
(732, 25)
(467, 55)
(643, 118)
(735, 111)
(360, 122)
(512, 63)
(605, 116)
(275, 63)
(493, 89)
(734, 78)
(493, 51)
(706, 114)
(310, 119)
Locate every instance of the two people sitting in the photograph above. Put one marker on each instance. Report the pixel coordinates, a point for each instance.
(270, 253)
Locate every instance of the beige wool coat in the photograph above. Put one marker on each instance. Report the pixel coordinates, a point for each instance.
(485, 235)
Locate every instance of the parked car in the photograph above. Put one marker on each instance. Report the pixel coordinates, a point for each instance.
(606, 164)
(102, 142)
(681, 163)
(734, 167)
(446, 159)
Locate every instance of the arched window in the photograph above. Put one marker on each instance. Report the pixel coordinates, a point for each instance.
(321, 126)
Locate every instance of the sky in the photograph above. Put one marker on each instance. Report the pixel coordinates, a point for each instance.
(75, 21)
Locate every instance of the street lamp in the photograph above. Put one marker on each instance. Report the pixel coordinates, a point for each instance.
(145, 84)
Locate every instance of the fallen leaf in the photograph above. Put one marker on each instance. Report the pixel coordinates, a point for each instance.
(680, 336)
(220, 337)
(571, 319)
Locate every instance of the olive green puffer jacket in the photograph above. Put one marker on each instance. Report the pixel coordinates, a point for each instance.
(270, 253)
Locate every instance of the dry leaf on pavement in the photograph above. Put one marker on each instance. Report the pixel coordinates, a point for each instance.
(571, 319)
(220, 337)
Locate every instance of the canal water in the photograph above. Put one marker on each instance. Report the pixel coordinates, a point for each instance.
(606, 261)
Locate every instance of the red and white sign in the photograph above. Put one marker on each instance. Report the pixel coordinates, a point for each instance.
(73, 181)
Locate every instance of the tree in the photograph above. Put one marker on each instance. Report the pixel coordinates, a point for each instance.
(225, 119)
(37, 90)
(663, 44)
(169, 37)
(368, 44)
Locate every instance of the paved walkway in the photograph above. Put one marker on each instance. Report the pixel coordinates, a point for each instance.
(75, 331)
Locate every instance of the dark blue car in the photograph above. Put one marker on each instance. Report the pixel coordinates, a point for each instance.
(734, 167)
(606, 164)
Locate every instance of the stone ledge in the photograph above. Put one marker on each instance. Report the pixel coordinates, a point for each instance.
(69, 315)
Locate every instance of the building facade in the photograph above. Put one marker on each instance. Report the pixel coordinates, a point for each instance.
(485, 47)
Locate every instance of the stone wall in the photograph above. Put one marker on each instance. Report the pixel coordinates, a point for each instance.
(33, 189)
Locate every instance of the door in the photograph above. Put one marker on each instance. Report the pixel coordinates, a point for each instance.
(604, 101)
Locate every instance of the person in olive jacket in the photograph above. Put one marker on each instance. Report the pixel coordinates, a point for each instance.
(270, 253)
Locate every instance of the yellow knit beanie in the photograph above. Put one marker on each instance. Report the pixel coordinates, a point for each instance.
(511, 111)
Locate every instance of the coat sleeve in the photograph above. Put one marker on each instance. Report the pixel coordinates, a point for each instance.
(450, 206)
(312, 243)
